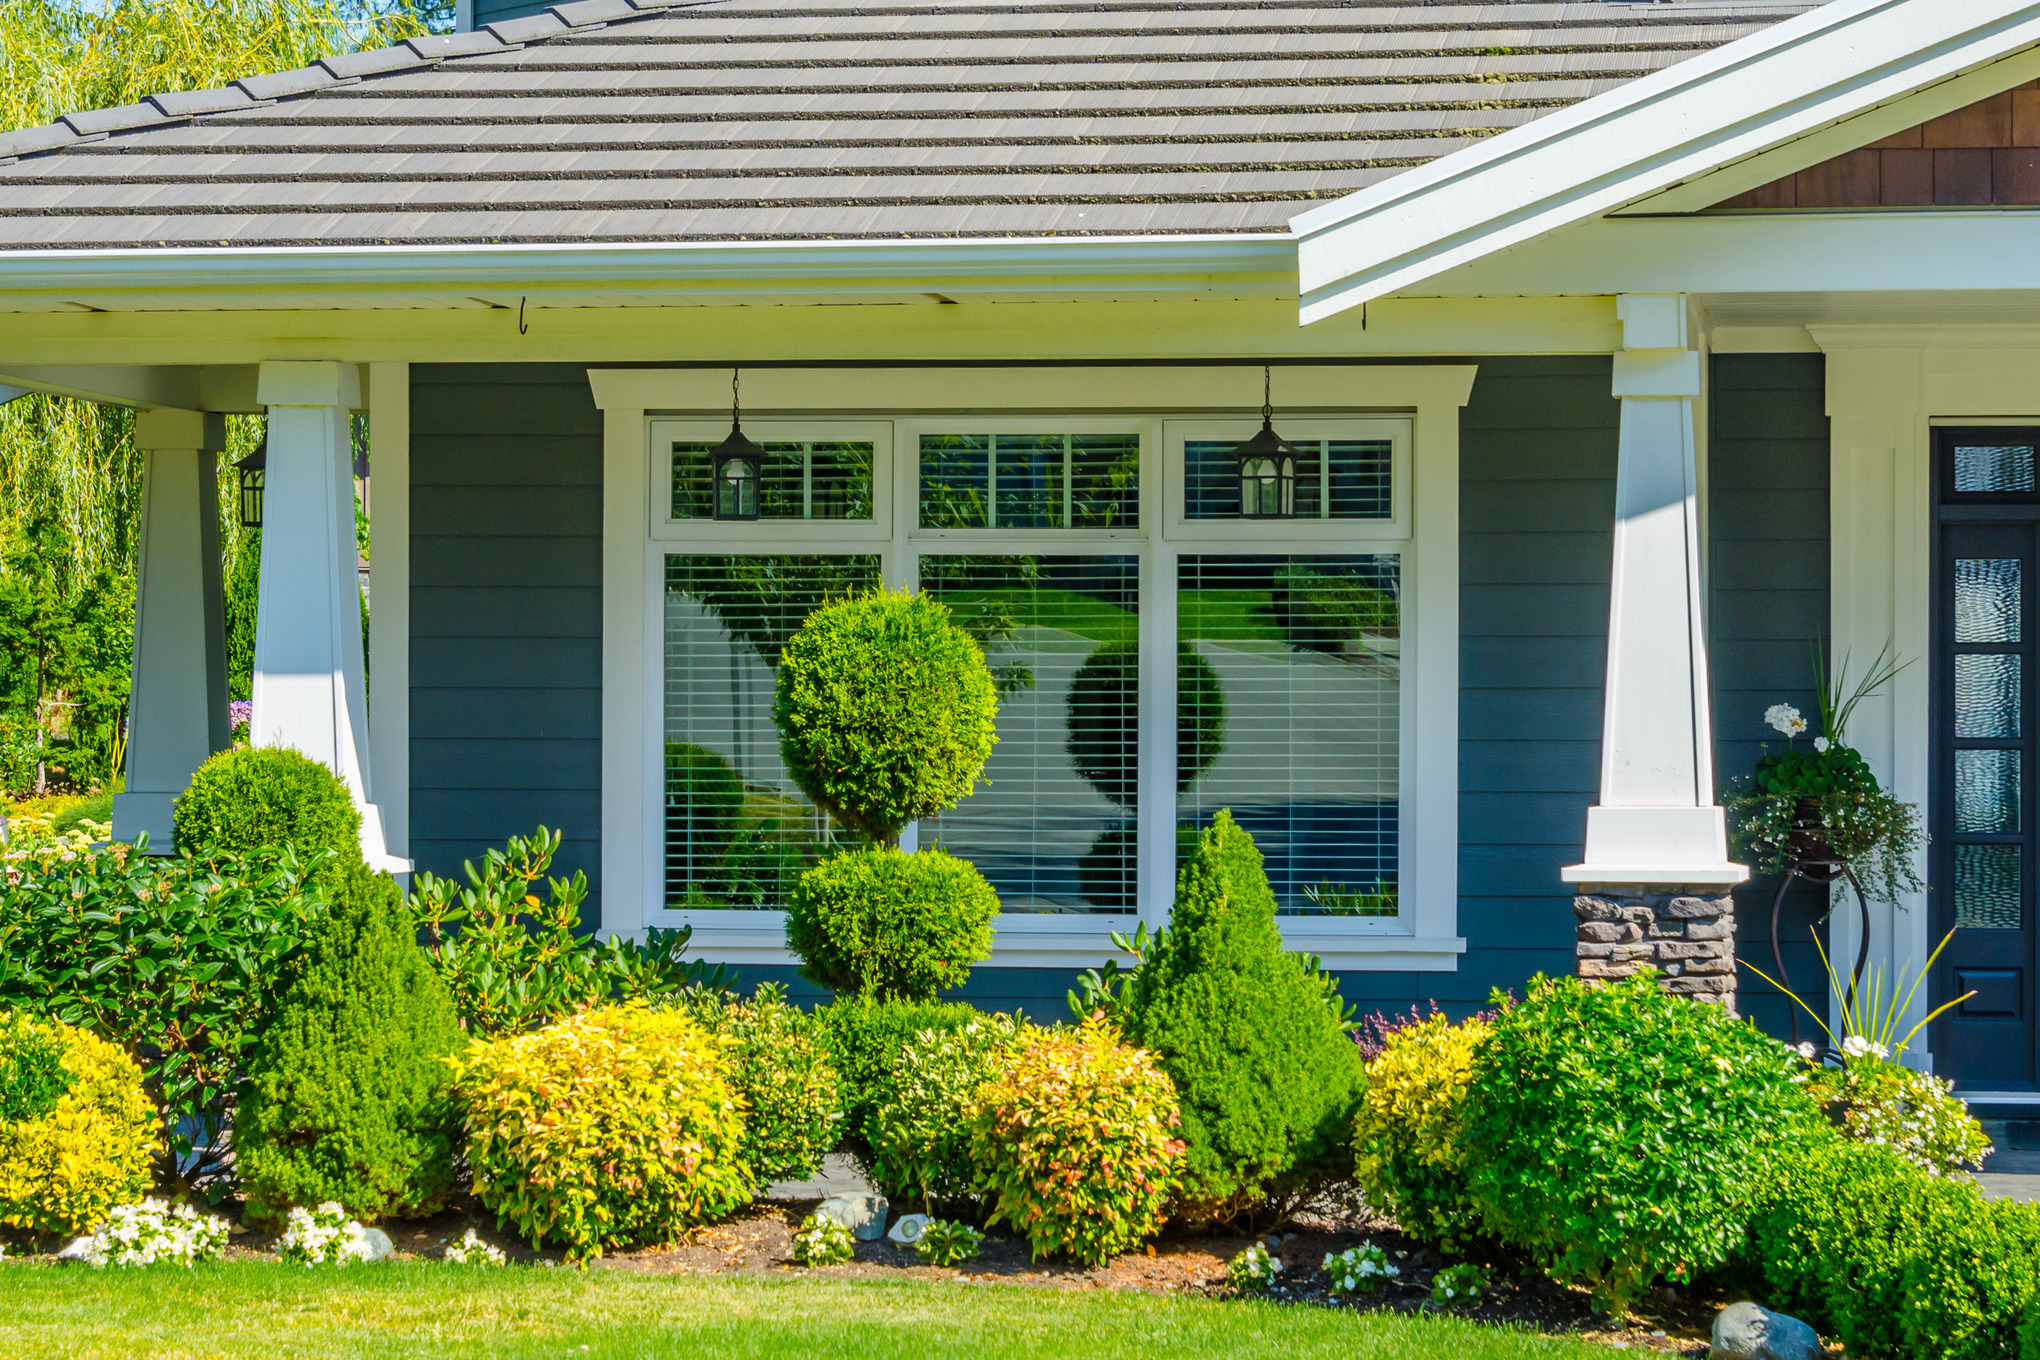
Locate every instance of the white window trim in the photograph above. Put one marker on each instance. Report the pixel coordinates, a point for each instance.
(1428, 396)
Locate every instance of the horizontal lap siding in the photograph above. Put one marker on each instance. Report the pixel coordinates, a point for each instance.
(1768, 575)
(506, 613)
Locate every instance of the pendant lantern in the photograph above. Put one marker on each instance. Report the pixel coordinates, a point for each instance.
(1267, 465)
(736, 468)
(253, 470)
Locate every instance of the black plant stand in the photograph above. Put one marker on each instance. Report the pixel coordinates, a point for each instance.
(1822, 870)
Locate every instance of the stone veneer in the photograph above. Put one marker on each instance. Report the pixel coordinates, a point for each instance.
(1686, 933)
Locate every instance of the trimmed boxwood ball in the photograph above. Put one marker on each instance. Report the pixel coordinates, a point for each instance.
(881, 922)
(1104, 718)
(1251, 1035)
(885, 710)
(251, 799)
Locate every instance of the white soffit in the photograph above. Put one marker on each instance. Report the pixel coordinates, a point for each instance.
(1797, 78)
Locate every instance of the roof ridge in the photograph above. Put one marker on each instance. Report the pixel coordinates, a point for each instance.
(342, 68)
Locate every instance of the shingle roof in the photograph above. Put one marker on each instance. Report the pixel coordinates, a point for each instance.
(608, 121)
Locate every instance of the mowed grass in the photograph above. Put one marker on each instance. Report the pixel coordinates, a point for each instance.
(427, 1309)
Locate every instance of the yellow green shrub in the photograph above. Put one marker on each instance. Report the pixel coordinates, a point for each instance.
(1409, 1156)
(77, 1134)
(615, 1126)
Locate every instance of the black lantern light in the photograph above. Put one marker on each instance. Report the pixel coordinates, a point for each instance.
(253, 468)
(736, 468)
(1267, 465)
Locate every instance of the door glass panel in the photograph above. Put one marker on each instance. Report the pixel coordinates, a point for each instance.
(1987, 599)
(1987, 887)
(1993, 467)
(1986, 695)
(1987, 793)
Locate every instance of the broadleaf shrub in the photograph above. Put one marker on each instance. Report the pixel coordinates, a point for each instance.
(1075, 1144)
(919, 1129)
(865, 1037)
(245, 801)
(885, 710)
(173, 958)
(1251, 1036)
(1617, 1133)
(347, 1093)
(514, 961)
(879, 921)
(89, 1150)
(615, 1126)
(780, 1068)
(1409, 1139)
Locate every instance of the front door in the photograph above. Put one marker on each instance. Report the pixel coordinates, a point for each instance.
(1982, 852)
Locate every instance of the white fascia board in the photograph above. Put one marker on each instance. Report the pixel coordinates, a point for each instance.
(1745, 97)
(1255, 262)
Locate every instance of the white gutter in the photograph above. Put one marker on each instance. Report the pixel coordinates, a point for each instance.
(1264, 262)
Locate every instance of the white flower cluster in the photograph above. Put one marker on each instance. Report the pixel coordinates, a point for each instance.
(1361, 1269)
(469, 1250)
(323, 1235)
(1855, 1046)
(823, 1242)
(1254, 1268)
(1462, 1283)
(153, 1232)
(1785, 718)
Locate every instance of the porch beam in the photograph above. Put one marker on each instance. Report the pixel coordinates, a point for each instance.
(177, 697)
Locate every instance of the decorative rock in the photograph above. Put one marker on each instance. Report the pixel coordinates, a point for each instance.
(380, 1248)
(1745, 1331)
(908, 1230)
(862, 1214)
(78, 1248)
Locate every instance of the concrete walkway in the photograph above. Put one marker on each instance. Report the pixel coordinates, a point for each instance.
(2012, 1171)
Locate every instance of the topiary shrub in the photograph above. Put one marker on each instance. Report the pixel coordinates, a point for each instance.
(1616, 1133)
(615, 1126)
(865, 1037)
(1104, 717)
(248, 800)
(704, 803)
(1252, 1037)
(919, 1127)
(1075, 1144)
(78, 1133)
(347, 1093)
(1409, 1138)
(885, 711)
(878, 921)
(780, 1069)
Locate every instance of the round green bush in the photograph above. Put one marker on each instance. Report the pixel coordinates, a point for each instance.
(1616, 1133)
(865, 1036)
(879, 921)
(1104, 718)
(347, 1095)
(885, 711)
(81, 1133)
(251, 799)
(919, 1130)
(704, 802)
(780, 1068)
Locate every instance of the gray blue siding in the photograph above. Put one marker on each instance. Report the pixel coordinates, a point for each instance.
(1767, 542)
(506, 612)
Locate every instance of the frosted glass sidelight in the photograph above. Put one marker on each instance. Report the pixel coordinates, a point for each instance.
(1987, 887)
(1987, 692)
(1985, 468)
(1989, 594)
(1987, 793)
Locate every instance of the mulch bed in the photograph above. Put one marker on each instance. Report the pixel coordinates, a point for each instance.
(760, 1243)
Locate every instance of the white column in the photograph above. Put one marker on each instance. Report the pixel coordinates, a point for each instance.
(177, 697)
(1657, 822)
(308, 687)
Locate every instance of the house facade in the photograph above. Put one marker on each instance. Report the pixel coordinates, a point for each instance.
(1627, 352)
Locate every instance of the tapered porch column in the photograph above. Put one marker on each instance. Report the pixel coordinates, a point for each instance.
(308, 685)
(1654, 880)
(177, 696)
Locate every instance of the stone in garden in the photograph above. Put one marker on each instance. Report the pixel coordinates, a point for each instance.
(77, 1249)
(908, 1230)
(380, 1248)
(1745, 1331)
(862, 1214)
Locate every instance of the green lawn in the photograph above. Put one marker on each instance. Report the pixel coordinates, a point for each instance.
(427, 1309)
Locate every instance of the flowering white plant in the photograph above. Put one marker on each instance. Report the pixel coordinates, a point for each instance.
(1855, 1046)
(1361, 1269)
(323, 1235)
(153, 1232)
(469, 1250)
(1462, 1283)
(1785, 718)
(1254, 1268)
(823, 1242)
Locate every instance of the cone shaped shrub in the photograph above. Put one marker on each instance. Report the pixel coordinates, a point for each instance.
(347, 1094)
(1252, 1038)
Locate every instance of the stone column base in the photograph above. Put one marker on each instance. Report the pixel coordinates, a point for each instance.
(1686, 933)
